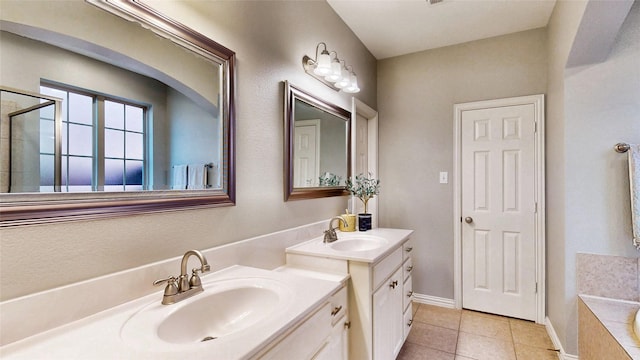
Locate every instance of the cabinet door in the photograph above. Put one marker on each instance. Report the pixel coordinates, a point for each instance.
(306, 340)
(388, 316)
(336, 347)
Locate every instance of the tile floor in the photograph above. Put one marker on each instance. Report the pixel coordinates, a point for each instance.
(448, 334)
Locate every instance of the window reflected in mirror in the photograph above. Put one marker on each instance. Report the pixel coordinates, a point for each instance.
(102, 144)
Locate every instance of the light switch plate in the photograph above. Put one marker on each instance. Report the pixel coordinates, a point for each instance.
(444, 177)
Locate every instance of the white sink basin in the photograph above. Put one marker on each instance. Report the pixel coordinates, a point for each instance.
(215, 315)
(224, 309)
(358, 243)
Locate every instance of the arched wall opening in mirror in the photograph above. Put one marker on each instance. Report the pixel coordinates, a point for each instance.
(317, 146)
(146, 125)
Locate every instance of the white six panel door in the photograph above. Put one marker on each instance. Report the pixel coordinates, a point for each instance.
(306, 169)
(498, 210)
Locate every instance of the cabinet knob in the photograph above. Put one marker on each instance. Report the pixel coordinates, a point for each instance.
(410, 322)
(408, 249)
(336, 310)
(347, 325)
(393, 284)
(410, 293)
(410, 267)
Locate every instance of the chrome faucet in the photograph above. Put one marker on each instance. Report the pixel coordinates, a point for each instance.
(330, 235)
(184, 287)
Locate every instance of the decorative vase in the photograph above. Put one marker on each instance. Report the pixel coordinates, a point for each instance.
(364, 222)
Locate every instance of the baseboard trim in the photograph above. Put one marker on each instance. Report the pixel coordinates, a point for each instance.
(556, 341)
(434, 300)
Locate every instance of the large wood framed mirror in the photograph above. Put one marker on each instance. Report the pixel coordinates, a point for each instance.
(147, 115)
(317, 146)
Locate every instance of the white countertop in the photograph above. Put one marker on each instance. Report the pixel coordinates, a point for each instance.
(316, 247)
(99, 336)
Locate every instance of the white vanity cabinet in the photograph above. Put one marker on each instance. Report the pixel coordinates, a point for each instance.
(381, 297)
(380, 290)
(321, 335)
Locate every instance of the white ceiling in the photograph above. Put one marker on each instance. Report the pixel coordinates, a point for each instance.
(396, 27)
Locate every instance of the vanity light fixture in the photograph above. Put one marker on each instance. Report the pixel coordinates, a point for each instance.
(330, 70)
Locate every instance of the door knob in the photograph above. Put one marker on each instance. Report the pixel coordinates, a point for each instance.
(468, 220)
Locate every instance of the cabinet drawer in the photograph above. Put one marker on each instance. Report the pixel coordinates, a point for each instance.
(338, 304)
(305, 340)
(407, 267)
(407, 248)
(408, 320)
(407, 294)
(386, 267)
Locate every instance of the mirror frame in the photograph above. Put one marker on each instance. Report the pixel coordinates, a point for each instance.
(40, 208)
(291, 94)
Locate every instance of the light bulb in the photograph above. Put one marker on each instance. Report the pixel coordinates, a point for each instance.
(323, 66)
(345, 81)
(353, 86)
(336, 71)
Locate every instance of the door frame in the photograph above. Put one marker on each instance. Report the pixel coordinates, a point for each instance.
(539, 193)
(360, 108)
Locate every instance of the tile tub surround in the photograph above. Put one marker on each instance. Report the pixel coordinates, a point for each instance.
(614, 277)
(606, 328)
(28, 315)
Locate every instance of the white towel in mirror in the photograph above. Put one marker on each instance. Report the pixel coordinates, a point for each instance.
(179, 177)
(634, 181)
(197, 178)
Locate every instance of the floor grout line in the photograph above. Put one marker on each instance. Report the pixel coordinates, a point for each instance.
(510, 342)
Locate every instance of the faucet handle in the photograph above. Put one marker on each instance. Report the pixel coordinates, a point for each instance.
(195, 279)
(172, 285)
(168, 280)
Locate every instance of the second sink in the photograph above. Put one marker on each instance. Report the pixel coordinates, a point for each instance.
(358, 243)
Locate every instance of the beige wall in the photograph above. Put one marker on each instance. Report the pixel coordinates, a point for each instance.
(416, 94)
(597, 108)
(270, 39)
(561, 32)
